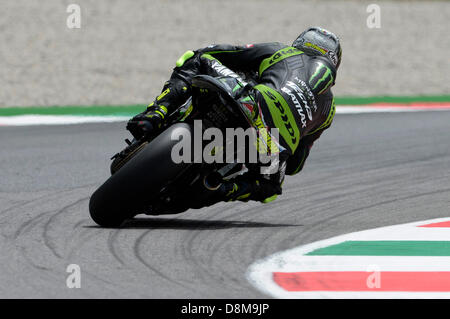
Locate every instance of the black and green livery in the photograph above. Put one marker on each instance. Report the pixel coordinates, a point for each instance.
(292, 89)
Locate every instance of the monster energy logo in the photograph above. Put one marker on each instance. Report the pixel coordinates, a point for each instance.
(326, 75)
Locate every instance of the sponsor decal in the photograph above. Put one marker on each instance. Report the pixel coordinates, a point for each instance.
(326, 78)
(297, 105)
(305, 88)
(333, 57)
(279, 54)
(223, 70)
(302, 97)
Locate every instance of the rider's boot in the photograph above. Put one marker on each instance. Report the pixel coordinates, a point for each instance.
(174, 93)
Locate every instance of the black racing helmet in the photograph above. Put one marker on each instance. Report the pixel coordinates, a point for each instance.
(318, 41)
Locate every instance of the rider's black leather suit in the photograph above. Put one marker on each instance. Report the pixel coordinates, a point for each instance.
(292, 91)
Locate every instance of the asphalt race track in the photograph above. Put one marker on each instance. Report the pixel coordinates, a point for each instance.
(367, 171)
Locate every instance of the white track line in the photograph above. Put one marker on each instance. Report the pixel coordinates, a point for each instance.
(387, 109)
(25, 120)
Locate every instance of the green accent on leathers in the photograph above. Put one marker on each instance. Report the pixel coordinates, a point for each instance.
(327, 75)
(186, 56)
(281, 115)
(270, 199)
(278, 56)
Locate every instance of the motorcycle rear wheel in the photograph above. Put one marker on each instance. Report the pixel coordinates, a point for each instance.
(129, 190)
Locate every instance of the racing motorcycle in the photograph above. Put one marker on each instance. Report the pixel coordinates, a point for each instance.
(145, 179)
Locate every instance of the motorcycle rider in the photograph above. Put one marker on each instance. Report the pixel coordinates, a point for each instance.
(293, 92)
